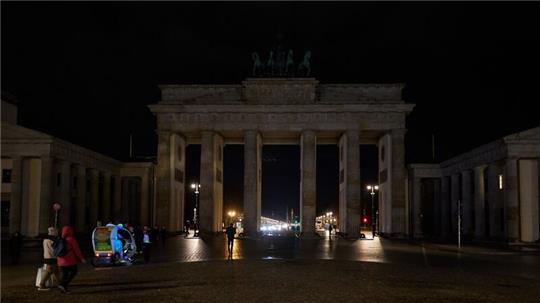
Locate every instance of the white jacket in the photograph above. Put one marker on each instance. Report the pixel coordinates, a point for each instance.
(48, 251)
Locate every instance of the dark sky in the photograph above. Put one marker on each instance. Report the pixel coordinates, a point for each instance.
(85, 72)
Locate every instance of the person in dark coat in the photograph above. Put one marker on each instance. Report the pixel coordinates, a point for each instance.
(231, 232)
(147, 244)
(15, 247)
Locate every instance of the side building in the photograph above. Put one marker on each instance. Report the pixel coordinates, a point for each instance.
(491, 193)
(39, 170)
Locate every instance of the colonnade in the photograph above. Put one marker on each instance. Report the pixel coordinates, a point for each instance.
(495, 201)
(171, 181)
(86, 194)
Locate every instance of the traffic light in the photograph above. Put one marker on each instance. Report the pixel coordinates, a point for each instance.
(365, 219)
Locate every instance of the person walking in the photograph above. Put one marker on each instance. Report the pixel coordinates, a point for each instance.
(49, 259)
(186, 229)
(147, 244)
(230, 231)
(330, 231)
(68, 262)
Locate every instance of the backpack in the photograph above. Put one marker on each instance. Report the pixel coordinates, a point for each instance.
(60, 248)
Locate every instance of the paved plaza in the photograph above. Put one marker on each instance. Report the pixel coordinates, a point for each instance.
(293, 270)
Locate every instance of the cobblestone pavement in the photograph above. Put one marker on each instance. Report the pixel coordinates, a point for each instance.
(297, 270)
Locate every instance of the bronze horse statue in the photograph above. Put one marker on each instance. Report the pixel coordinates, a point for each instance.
(304, 68)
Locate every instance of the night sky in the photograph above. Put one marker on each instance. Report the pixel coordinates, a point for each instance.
(84, 72)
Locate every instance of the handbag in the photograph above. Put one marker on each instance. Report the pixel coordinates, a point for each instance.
(39, 275)
(51, 282)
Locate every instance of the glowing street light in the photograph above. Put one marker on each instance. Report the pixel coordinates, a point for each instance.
(195, 187)
(372, 188)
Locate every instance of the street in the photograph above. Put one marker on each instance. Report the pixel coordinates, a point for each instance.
(293, 270)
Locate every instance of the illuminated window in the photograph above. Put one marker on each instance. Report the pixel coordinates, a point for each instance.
(500, 181)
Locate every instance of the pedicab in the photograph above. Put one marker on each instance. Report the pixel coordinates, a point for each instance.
(113, 245)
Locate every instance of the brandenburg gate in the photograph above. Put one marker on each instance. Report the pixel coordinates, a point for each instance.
(281, 111)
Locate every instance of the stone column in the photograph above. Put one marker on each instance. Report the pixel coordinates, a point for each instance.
(15, 207)
(494, 201)
(94, 196)
(528, 191)
(511, 199)
(80, 204)
(117, 201)
(466, 202)
(177, 184)
(31, 197)
(436, 219)
(417, 207)
(63, 193)
(398, 182)
(211, 196)
(163, 176)
(308, 183)
(479, 203)
(445, 207)
(144, 203)
(454, 203)
(349, 196)
(252, 182)
(126, 194)
(48, 178)
(106, 203)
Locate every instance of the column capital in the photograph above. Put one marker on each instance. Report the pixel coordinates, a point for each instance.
(208, 132)
(351, 132)
(251, 132)
(309, 132)
(480, 168)
(163, 132)
(466, 171)
(61, 161)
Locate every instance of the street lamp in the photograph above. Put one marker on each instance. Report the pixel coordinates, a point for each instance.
(195, 187)
(372, 188)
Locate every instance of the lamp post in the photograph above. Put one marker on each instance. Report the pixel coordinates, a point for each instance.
(372, 188)
(195, 187)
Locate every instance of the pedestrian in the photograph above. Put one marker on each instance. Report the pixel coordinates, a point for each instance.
(196, 230)
(49, 259)
(147, 244)
(138, 236)
(163, 234)
(186, 229)
(330, 231)
(230, 231)
(15, 247)
(68, 262)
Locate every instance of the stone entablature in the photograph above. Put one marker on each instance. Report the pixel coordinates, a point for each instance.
(18, 141)
(524, 144)
(424, 170)
(276, 118)
(491, 152)
(290, 91)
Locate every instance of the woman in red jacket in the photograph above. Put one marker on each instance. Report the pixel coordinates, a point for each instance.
(68, 262)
